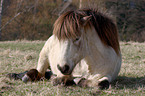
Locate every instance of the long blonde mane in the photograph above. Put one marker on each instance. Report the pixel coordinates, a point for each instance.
(68, 25)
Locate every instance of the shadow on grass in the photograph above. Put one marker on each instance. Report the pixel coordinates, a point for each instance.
(128, 82)
(120, 83)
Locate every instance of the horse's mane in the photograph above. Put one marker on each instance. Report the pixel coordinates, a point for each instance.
(68, 25)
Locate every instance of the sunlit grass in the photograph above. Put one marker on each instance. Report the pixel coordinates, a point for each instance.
(131, 79)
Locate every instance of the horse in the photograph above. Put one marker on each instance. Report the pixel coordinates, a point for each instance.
(83, 48)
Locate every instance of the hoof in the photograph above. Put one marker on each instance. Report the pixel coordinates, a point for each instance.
(32, 75)
(48, 75)
(16, 76)
(104, 85)
(63, 81)
(82, 82)
(25, 78)
(13, 76)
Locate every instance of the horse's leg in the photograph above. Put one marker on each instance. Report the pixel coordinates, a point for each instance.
(16, 76)
(36, 74)
(43, 62)
(102, 83)
(32, 75)
(82, 82)
(65, 80)
(62, 79)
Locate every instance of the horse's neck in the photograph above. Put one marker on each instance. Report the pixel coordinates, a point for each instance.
(94, 44)
(97, 52)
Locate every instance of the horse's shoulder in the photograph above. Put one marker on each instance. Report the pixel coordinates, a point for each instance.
(50, 41)
(47, 46)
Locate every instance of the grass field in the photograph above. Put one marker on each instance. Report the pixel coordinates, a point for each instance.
(13, 59)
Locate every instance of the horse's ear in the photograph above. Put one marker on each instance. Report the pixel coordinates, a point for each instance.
(86, 19)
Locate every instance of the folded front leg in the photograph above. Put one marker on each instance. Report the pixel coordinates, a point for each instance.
(34, 75)
(102, 83)
(65, 80)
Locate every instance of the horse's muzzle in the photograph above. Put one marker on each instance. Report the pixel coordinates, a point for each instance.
(64, 70)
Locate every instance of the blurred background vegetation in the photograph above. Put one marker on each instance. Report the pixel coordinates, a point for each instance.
(34, 19)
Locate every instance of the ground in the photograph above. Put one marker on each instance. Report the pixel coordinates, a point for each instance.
(19, 56)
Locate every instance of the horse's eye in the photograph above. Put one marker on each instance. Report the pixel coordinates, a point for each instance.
(76, 41)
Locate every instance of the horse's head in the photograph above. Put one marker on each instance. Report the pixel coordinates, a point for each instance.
(68, 28)
(70, 53)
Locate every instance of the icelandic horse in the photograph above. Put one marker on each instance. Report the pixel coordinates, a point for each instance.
(84, 48)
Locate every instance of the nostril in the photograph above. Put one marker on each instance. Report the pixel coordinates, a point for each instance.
(59, 68)
(63, 69)
(66, 67)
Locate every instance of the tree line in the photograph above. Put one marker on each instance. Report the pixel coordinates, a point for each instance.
(34, 19)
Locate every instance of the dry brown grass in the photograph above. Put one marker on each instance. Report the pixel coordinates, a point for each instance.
(14, 58)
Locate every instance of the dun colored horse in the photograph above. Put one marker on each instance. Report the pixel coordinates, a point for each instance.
(84, 45)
